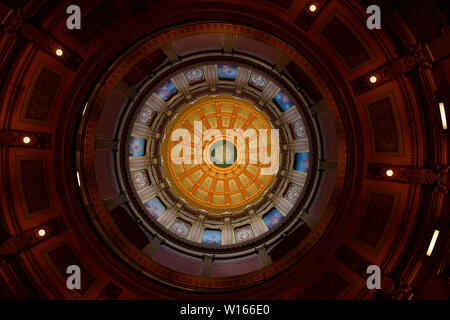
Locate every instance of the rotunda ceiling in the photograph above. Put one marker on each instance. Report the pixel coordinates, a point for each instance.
(252, 149)
(216, 154)
(210, 154)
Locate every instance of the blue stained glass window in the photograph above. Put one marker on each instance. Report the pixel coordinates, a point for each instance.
(137, 147)
(301, 161)
(227, 72)
(272, 218)
(282, 101)
(212, 236)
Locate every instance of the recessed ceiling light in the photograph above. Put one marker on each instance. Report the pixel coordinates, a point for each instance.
(41, 232)
(313, 8)
(433, 242)
(373, 79)
(443, 117)
(59, 52)
(389, 173)
(26, 140)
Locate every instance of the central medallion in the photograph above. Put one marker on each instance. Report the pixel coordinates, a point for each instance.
(223, 154)
(220, 154)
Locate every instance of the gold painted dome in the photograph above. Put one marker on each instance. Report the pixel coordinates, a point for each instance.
(218, 155)
(210, 154)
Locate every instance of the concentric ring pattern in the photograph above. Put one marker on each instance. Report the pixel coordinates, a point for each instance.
(363, 176)
(218, 153)
(222, 179)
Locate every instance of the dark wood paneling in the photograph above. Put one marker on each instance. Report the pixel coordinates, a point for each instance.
(145, 68)
(384, 126)
(43, 95)
(375, 218)
(62, 257)
(95, 21)
(289, 242)
(16, 3)
(5, 292)
(330, 287)
(352, 260)
(286, 4)
(33, 184)
(129, 227)
(137, 6)
(110, 292)
(345, 42)
(304, 83)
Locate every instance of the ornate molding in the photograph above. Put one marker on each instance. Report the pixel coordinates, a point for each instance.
(26, 139)
(14, 21)
(17, 24)
(307, 18)
(394, 290)
(419, 57)
(439, 177)
(30, 238)
(49, 44)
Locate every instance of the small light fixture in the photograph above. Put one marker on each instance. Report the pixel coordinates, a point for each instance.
(389, 173)
(313, 8)
(373, 79)
(26, 140)
(59, 52)
(433, 242)
(41, 232)
(443, 117)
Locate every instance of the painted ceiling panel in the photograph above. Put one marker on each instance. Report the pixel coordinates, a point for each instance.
(257, 49)
(196, 43)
